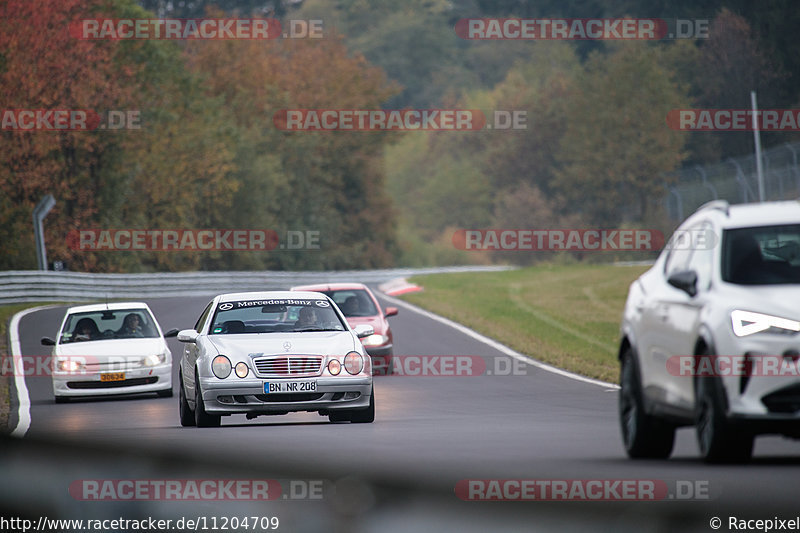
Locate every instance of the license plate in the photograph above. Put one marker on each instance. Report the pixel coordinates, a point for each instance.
(115, 376)
(289, 386)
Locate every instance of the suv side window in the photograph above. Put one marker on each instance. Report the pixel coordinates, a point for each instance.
(202, 320)
(680, 252)
(702, 260)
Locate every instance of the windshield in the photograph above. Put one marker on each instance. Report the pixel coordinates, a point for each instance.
(355, 302)
(275, 315)
(762, 256)
(103, 325)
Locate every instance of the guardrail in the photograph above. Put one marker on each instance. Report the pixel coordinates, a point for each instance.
(21, 286)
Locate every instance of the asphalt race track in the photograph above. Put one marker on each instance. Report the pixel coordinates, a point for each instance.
(429, 433)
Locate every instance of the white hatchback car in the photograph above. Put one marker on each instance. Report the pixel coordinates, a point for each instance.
(702, 326)
(109, 349)
(271, 353)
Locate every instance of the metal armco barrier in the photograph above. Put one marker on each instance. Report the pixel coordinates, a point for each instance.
(36, 286)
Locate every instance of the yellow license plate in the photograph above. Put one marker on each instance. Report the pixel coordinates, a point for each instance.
(116, 376)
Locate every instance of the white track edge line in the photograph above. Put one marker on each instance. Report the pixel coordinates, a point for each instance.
(23, 398)
(498, 346)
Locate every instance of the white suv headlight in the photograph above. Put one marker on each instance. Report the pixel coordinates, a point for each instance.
(747, 323)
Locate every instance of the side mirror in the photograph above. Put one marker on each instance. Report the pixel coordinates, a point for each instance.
(364, 330)
(685, 280)
(188, 335)
(47, 341)
(390, 311)
(171, 333)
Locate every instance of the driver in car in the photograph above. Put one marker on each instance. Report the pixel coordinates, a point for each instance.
(306, 318)
(85, 330)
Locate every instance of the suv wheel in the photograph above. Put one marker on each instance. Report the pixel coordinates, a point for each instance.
(644, 436)
(720, 441)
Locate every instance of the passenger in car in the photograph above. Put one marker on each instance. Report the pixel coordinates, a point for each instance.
(131, 326)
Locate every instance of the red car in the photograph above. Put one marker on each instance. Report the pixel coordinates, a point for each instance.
(360, 306)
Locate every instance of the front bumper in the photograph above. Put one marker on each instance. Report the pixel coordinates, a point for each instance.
(763, 399)
(242, 396)
(137, 380)
(780, 424)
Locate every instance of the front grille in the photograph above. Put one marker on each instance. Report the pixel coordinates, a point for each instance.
(115, 366)
(288, 365)
(110, 384)
(293, 397)
(786, 400)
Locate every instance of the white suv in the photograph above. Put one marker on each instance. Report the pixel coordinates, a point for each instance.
(698, 330)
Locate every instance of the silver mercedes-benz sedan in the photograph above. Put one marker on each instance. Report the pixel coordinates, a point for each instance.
(270, 353)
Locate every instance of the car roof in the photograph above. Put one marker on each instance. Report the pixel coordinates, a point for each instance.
(330, 287)
(749, 215)
(111, 306)
(271, 295)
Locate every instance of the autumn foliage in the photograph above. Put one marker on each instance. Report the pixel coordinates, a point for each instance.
(206, 156)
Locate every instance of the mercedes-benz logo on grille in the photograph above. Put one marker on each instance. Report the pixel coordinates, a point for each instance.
(287, 346)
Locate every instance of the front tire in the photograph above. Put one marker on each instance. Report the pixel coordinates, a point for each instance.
(644, 436)
(365, 416)
(338, 416)
(202, 418)
(356, 416)
(720, 441)
(166, 393)
(186, 414)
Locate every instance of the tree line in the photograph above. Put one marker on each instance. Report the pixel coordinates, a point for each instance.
(208, 155)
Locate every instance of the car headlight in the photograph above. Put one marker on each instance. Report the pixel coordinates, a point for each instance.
(221, 366)
(353, 363)
(374, 340)
(242, 369)
(68, 365)
(155, 359)
(334, 367)
(747, 323)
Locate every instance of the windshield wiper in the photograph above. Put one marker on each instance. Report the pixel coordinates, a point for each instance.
(313, 328)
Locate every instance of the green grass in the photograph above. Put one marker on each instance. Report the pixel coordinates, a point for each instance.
(6, 312)
(564, 315)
